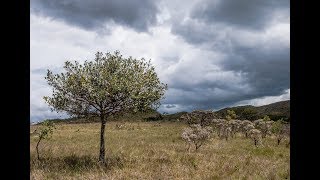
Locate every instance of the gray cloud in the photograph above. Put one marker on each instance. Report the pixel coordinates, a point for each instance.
(267, 72)
(39, 71)
(253, 40)
(92, 15)
(170, 106)
(244, 74)
(210, 56)
(251, 14)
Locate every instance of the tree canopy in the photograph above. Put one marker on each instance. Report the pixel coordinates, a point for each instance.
(105, 86)
(231, 115)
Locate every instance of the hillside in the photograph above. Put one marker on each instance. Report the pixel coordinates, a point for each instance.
(275, 111)
(150, 115)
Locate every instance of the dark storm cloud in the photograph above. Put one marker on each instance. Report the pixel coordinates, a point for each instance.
(209, 19)
(202, 98)
(194, 33)
(267, 72)
(251, 14)
(246, 73)
(93, 14)
(240, 30)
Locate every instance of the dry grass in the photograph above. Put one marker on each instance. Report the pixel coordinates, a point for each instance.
(148, 150)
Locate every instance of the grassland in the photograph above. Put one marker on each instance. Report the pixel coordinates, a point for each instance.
(152, 150)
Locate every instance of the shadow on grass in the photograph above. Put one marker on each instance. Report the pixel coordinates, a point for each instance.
(75, 163)
(78, 162)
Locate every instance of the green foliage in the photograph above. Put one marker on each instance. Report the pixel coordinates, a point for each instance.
(108, 85)
(266, 118)
(277, 126)
(275, 117)
(45, 131)
(231, 115)
(249, 114)
(174, 116)
(156, 117)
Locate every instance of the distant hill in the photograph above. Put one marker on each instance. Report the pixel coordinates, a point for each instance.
(150, 115)
(173, 117)
(275, 111)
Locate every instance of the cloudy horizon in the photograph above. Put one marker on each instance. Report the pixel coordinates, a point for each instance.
(211, 53)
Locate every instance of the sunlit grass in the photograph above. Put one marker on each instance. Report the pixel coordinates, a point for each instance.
(146, 150)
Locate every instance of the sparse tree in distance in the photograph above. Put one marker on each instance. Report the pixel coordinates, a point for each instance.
(281, 129)
(109, 85)
(266, 118)
(264, 125)
(231, 115)
(249, 114)
(44, 131)
(255, 135)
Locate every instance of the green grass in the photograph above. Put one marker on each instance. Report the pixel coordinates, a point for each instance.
(146, 150)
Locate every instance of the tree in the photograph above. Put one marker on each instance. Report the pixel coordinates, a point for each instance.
(231, 115)
(266, 118)
(281, 129)
(264, 125)
(255, 135)
(43, 132)
(109, 85)
(249, 114)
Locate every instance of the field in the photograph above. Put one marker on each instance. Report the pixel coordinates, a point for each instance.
(153, 150)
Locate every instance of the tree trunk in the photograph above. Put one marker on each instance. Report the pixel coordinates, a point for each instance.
(37, 147)
(102, 147)
(279, 140)
(264, 134)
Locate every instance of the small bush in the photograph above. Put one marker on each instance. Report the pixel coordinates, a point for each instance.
(196, 135)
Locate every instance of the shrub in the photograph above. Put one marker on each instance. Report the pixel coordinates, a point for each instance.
(231, 115)
(196, 135)
(281, 130)
(255, 135)
(44, 131)
(204, 118)
(264, 125)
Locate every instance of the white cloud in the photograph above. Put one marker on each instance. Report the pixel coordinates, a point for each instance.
(265, 100)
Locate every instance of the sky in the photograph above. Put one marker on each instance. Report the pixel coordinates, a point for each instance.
(211, 53)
